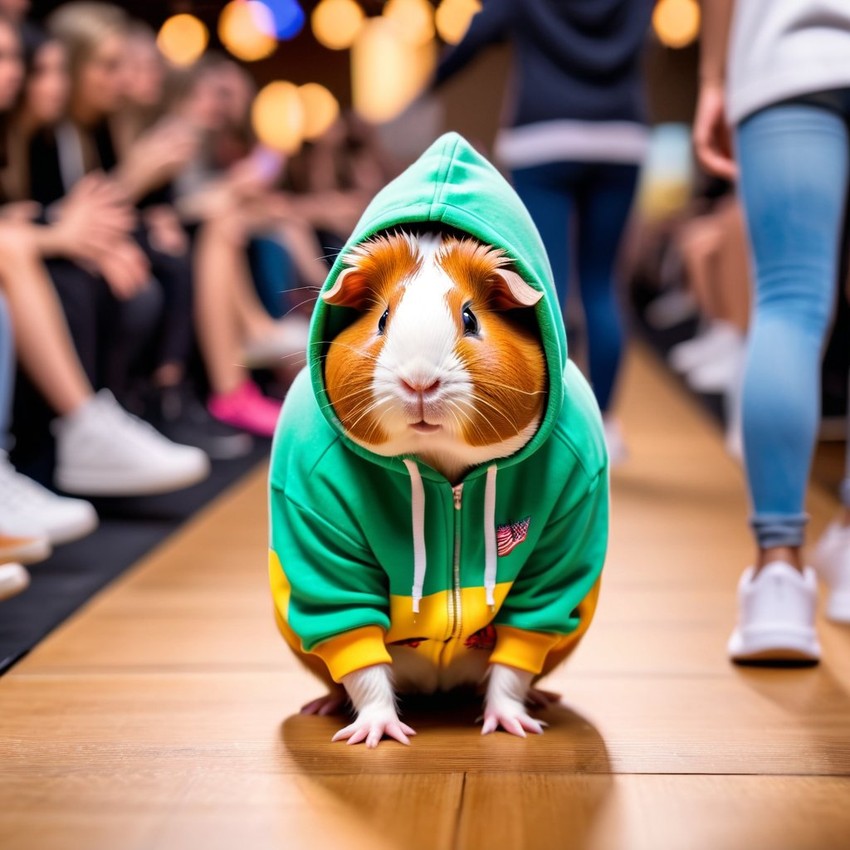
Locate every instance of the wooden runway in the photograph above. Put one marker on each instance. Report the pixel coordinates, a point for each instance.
(163, 715)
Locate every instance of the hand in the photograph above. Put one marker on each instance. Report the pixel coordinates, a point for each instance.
(711, 136)
(91, 218)
(20, 211)
(165, 232)
(125, 269)
(161, 153)
(372, 725)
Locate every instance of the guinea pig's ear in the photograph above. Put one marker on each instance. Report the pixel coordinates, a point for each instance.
(349, 290)
(509, 291)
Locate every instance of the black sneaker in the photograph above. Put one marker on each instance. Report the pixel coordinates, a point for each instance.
(178, 414)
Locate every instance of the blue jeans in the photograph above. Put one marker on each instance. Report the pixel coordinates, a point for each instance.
(7, 373)
(580, 209)
(794, 175)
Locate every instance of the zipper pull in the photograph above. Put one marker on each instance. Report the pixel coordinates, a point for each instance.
(457, 493)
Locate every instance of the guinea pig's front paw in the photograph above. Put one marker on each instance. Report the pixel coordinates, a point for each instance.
(372, 726)
(511, 716)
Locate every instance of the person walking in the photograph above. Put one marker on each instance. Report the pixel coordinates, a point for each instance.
(774, 113)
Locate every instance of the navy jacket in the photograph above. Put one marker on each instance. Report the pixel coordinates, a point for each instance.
(574, 59)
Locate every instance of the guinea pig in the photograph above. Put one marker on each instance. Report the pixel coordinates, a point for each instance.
(438, 365)
(439, 482)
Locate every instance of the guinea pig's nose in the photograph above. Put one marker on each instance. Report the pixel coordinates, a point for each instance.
(421, 386)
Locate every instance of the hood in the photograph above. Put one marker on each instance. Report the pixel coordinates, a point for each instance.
(451, 183)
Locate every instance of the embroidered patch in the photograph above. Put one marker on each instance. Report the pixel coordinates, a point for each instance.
(510, 535)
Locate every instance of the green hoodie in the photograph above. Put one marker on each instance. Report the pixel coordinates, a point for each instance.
(369, 552)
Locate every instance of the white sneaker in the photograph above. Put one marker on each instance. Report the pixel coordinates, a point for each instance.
(280, 347)
(13, 580)
(32, 510)
(832, 561)
(776, 615)
(717, 338)
(722, 372)
(615, 443)
(101, 450)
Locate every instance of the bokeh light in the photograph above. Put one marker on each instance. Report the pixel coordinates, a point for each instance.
(182, 39)
(414, 19)
(336, 23)
(387, 72)
(246, 29)
(288, 18)
(676, 22)
(321, 109)
(277, 116)
(453, 17)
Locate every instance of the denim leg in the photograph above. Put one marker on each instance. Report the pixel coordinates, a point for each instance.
(794, 170)
(603, 209)
(545, 191)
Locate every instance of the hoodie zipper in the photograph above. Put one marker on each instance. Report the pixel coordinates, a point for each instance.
(456, 614)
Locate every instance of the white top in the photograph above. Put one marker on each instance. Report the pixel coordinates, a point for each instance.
(783, 48)
(566, 140)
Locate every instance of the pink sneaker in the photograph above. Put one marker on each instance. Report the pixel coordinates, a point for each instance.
(246, 408)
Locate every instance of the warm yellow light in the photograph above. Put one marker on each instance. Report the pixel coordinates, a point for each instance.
(336, 23)
(414, 19)
(277, 116)
(387, 72)
(320, 109)
(182, 39)
(676, 22)
(453, 17)
(245, 28)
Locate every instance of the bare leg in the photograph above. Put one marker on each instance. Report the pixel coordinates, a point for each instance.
(255, 322)
(44, 344)
(306, 252)
(217, 264)
(787, 554)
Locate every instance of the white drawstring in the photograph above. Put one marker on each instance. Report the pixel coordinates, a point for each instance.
(417, 508)
(490, 553)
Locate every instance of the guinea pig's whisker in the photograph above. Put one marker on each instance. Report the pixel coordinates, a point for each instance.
(510, 387)
(362, 392)
(299, 304)
(376, 423)
(483, 400)
(364, 354)
(368, 410)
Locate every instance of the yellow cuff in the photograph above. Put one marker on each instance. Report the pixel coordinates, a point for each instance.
(522, 649)
(352, 650)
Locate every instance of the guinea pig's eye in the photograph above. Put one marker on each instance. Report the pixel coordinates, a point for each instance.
(470, 322)
(382, 322)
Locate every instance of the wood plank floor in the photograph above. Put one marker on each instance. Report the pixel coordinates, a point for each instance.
(163, 715)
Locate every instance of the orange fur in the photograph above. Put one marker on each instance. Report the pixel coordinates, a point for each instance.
(509, 369)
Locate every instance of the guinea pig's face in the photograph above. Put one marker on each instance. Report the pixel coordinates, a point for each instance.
(444, 357)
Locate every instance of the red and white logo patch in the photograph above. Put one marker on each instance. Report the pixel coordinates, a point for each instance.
(510, 535)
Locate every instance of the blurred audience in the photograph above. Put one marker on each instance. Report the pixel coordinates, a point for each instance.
(153, 255)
